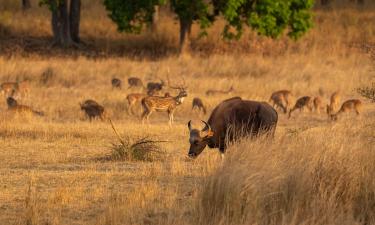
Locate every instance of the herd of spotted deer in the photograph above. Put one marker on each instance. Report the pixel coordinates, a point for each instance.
(152, 101)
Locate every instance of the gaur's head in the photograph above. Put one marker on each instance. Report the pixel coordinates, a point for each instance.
(198, 139)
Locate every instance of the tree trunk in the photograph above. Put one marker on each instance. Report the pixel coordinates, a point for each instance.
(61, 23)
(325, 2)
(360, 2)
(74, 19)
(185, 31)
(26, 4)
(155, 19)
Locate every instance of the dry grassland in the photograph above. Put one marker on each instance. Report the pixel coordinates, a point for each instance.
(58, 169)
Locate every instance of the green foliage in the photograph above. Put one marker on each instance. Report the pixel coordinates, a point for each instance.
(189, 11)
(51, 4)
(131, 15)
(267, 17)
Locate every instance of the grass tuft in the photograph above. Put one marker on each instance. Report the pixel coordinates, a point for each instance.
(368, 92)
(135, 149)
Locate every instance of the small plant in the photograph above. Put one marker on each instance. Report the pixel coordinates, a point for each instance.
(46, 78)
(138, 149)
(368, 92)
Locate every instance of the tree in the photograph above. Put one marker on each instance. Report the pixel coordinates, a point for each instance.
(26, 4)
(325, 2)
(65, 23)
(132, 15)
(268, 17)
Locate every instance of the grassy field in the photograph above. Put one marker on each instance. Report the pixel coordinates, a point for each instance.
(60, 169)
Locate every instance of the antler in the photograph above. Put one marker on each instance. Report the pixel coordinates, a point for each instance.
(179, 87)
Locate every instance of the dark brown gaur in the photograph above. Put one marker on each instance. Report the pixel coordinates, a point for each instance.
(198, 103)
(116, 83)
(301, 103)
(230, 120)
(135, 82)
(93, 109)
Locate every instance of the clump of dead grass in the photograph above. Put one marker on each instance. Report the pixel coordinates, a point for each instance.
(135, 149)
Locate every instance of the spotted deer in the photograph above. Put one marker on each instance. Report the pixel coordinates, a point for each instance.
(13, 106)
(301, 104)
(281, 99)
(347, 106)
(198, 103)
(163, 104)
(334, 103)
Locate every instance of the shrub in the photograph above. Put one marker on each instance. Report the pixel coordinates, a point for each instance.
(135, 149)
(368, 92)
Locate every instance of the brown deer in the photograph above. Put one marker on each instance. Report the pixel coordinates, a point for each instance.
(93, 109)
(135, 82)
(302, 103)
(347, 106)
(217, 92)
(155, 87)
(116, 83)
(281, 99)
(334, 103)
(8, 88)
(13, 106)
(318, 104)
(15, 88)
(164, 104)
(133, 99)
(198, 103)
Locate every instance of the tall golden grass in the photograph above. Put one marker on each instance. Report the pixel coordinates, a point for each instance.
(56, 169)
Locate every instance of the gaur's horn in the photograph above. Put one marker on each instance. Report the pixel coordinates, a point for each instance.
(206, 127)
(189, 125)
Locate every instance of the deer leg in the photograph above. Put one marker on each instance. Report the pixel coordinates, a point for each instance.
(290, 112)
(170, 115)
(144, 115)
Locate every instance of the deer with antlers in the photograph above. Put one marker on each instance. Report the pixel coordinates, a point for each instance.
(164, 104)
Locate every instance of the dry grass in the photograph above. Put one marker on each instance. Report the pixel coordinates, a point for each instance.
(313, 172)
